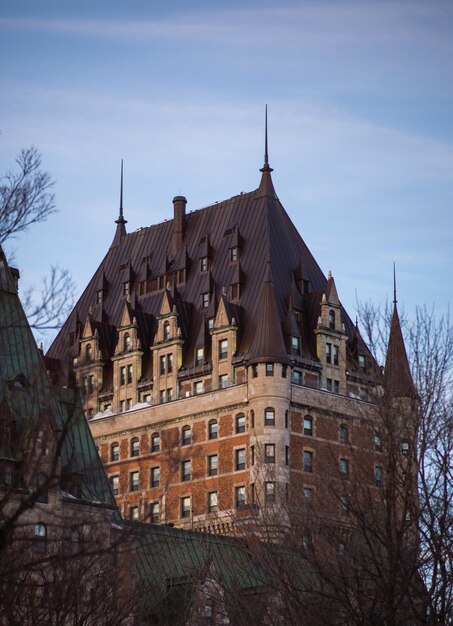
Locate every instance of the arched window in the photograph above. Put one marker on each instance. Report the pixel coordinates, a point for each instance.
(74, 541)
(115, 451)
(135, 446)
(127, 342)
(89, 352)
(344, 434)
(42, 484)
(332, 320)
(240, 423)
(186, 438)
(40, 537)
(212, 429)
(166, 331)
(155, 442)
(269, 416)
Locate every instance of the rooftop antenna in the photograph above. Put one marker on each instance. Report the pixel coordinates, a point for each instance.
(266, 167)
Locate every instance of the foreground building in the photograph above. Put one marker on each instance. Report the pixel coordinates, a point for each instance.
(222, 379)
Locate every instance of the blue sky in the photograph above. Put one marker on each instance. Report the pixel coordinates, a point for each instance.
(360, 98)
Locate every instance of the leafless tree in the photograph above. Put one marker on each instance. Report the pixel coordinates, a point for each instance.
(27, 198)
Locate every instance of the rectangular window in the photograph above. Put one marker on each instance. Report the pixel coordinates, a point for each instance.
(240, 496)
(329, 384)
(344, 468)
(122, 375)
(186, 436)
(210, 323)
(185, 507)
(297, 377)
(169, 394)
(239, 459)
(204, 264)
(135, 446)
(185, 471)
(295, 345)
(405, 448)
(308, 426)
(155, 477)
(115, 484)
(213, 502)
(91, 383)
(198, 387)
(329, 352)
(162, 396)
(99, 296)
(269, 417)
(199, 356)
(213, 461)
(308, 461)
(269, 491)
(212, 429)
(122, 406)
(269, 453)
(233, 255)
(128, 404)
(335, 355)
(129, 374)
(155, 512)
(125, 289)
(284, 370)
(336, 386)
(223, 381)
(362, 362)
(162, 364)
(235, 291)
(252, 455)
(204, 300)
(286, 455)
(169, 363)
(134, 481)
(308, 494)
(223, 348)
(269, 369)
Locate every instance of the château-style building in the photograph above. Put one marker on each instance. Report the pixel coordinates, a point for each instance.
(220, 375)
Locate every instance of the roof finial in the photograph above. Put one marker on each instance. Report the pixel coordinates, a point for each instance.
(121, 219)
(266, 167)
(394, 285)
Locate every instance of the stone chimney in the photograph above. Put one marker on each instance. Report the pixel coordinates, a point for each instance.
(179, 206)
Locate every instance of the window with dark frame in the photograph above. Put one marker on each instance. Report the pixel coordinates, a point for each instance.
(239, 456)
(155, 442)
(378, 475)
(204, 264)
(240, 423)
(213, 461)
(135, 446)
(344, 468)
(133, 513)
(308, 461)
(223, 348)
(185, 470)
(166, 331)
(185, 507)
(269, 417)
(212, 429)
(332, 320)
(240, 496)
(329, 352)
(269, 369)
(155, 512)
(213, 501)
(269, 453)
(186, 436)
(129, 374)
(155, 476)
(308, 426)
(40, 543)
(134, 481)
(344, 434)
(344, 506)
(335, 355)
(115, 484)
(115, 451)
(269, 491)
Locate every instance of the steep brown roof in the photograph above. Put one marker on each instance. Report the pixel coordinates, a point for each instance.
(397, 373)
(266, 233)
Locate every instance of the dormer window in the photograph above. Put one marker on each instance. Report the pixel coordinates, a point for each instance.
(235, 291)
(234, 254)
(295, 345)
(199, 356)
(204, 300)
(89, 352)
(204, 264)
(127, 342)
(125, 289)
(99, 296)
(362, 362)
(210, 323)
(332, 320)
(166, 331)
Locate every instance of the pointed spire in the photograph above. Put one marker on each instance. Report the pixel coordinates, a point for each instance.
(397, 373)
(121, 222)
(266, 187)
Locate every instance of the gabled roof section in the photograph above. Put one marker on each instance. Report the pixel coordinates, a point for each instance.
(26, 390)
